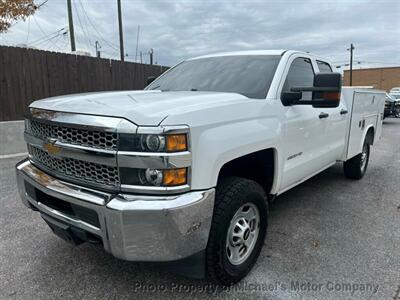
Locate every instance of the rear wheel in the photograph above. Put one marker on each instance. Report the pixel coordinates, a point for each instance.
(356, 167)
(238, 229)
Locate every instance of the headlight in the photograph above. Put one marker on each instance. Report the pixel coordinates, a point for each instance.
(155, 158)
(153, 142)
(155, 177)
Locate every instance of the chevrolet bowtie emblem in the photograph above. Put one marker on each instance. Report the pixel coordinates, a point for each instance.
(50, 147)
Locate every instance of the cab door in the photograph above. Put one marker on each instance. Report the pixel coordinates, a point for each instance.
(304, 127)
(336, 125)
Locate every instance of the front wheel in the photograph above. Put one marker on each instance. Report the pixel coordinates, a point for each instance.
(238, 229)
(356, 167)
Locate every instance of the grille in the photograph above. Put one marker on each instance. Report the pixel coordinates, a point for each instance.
(74, 168)
(89, 138)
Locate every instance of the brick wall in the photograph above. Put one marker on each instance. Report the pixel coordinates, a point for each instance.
(379, 78)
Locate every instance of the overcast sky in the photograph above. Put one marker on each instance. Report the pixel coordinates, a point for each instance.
(180, 29)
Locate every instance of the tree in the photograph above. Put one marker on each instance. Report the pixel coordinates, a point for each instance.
(14, 10)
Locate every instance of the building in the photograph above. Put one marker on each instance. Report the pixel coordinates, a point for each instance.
(379, 78)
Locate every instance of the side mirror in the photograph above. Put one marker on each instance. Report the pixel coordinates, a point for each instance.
(325, 91)
(332, 83)
(150, 79)
(288, 98)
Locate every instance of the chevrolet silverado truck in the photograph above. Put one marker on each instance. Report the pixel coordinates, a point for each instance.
(184, 171)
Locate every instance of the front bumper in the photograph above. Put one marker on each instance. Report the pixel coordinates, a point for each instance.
(131, 227)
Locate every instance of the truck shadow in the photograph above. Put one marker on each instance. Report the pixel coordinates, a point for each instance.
(291, 223)
(391, 121)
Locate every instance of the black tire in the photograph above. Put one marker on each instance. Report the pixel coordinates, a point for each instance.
(232, 194)
(355, 168)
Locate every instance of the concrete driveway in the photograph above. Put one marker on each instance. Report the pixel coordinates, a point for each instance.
(329, 238)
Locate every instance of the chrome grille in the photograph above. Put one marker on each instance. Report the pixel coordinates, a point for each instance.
(78, 169)
(88, 138)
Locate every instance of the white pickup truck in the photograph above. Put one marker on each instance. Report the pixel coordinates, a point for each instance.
(184, 171)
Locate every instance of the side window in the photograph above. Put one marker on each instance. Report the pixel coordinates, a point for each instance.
(301, 73)
(324, 67)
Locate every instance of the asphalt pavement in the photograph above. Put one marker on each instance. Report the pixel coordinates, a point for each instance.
(328, 238)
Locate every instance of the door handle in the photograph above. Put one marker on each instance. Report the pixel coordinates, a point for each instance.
(323, 115)
(343, 112)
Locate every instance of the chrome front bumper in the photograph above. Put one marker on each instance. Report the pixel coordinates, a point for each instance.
(131, 227)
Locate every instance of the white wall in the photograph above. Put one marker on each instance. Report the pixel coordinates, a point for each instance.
(12, 138)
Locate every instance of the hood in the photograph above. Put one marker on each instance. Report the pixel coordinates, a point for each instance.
(140, 107)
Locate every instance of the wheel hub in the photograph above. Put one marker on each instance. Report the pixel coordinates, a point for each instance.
(364, 155)
(242, 233)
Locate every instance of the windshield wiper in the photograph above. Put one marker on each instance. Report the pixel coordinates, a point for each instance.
(156, 87)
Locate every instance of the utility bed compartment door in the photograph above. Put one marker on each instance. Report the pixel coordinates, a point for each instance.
(366, 109)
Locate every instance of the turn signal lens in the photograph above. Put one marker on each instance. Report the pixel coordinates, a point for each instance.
(331, 96)
(175, 177)
(176, 142)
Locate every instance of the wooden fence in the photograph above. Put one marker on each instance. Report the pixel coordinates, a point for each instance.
(27, 75)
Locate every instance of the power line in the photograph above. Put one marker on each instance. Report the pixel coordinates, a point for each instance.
(95, 28)
(37, 7)
(46, 35)
(85, 33)
(45, 43)
(29, 31)
(41, 4)
(85, 23)
(4, 38)
(50, 39)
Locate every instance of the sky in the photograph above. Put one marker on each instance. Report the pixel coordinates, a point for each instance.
(177, 30)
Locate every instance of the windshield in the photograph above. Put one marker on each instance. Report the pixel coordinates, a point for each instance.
(249, 75)
(394, 95)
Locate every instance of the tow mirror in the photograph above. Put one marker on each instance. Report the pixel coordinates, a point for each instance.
(288, 98)
(325, 92)
(150, 79)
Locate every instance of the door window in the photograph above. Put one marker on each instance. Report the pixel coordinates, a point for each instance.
(301, 73)
(324, 67)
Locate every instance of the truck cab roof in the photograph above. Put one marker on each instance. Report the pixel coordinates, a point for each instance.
(279, 52)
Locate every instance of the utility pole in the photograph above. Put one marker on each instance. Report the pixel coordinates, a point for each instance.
(151, 55)
(351, 63)
(137, 43)
(121, 36)
(71, 25)
(98, 46)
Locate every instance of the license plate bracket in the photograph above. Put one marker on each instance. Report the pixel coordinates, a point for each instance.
(64, 231)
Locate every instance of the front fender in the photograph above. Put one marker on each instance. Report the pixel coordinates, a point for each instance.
(214, 147)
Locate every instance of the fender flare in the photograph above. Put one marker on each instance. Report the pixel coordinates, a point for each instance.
(366, 130)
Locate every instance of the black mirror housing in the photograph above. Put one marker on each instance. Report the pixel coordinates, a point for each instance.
(288, 98)
(328, 80)
(326, 91)
(330, 98)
